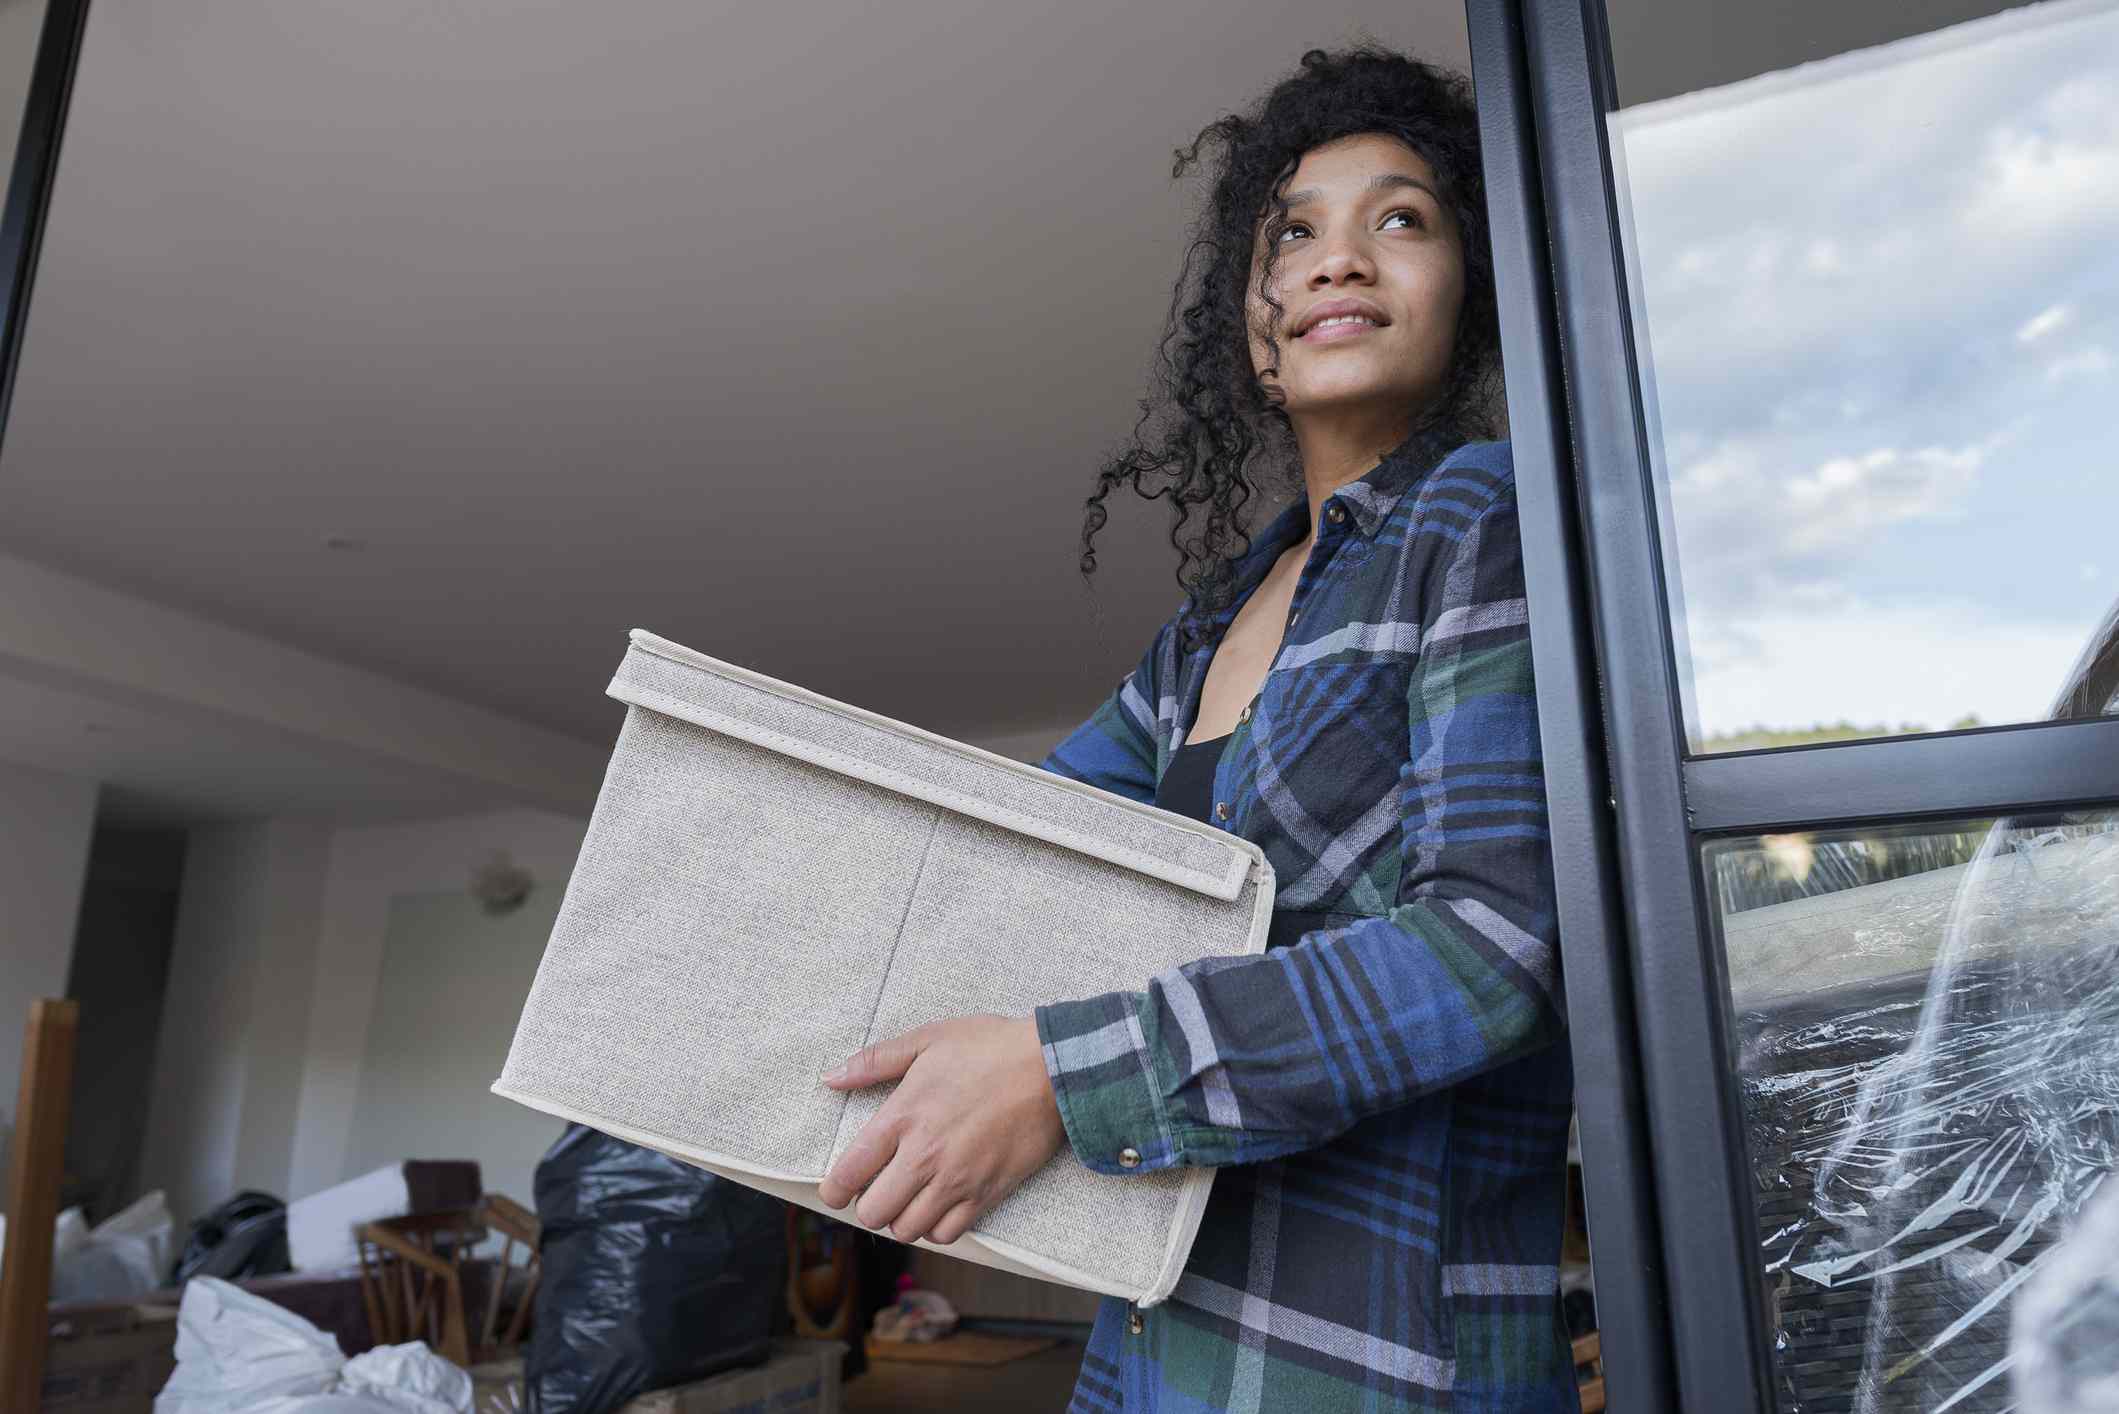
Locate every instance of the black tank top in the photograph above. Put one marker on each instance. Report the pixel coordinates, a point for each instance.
(1187, 786)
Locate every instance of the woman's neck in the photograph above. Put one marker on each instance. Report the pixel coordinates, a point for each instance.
(1344, 446)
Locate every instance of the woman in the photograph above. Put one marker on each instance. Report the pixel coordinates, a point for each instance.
(1382, 1088)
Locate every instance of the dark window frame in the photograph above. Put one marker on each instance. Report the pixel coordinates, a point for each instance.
(29, 185)
(1666, 1173)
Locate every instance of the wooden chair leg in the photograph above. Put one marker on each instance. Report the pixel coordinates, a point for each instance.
(454, 1343)
(489, 1328)
(33, 1198)
(521, 1319)
(375, 1292)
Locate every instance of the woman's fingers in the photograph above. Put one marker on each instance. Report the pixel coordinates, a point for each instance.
(895, 1187)
(973, 1118)
(922, 1214)
(875, 1146)
(885, 1060)
(954, 1224)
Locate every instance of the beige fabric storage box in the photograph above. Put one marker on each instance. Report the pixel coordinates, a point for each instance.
(772, 880)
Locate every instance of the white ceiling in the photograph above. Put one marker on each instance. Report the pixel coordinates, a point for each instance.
(792, 332)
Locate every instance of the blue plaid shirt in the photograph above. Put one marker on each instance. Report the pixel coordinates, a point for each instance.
(1384, 1089)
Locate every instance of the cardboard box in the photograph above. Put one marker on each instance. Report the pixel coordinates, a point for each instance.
(802, 1377)
(497, 1388)
(107, 1358)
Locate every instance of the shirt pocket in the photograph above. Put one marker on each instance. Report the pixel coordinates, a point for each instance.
(1333, 740)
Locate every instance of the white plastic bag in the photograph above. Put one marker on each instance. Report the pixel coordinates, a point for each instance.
(123, 1256)
(917, 1316)
(240, 1354)
(140, 1237)
(411, 1378)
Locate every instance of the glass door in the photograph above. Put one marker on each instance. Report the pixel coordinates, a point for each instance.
(1827, 301)
(40, 42)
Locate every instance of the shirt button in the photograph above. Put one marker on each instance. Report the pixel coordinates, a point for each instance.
(1335, 514)
(1244, 715)
(1294, 616)
(1129, 1158)
(1221, 810)
(1134, 1323)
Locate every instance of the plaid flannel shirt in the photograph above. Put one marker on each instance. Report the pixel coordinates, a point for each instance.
(1384, 1089)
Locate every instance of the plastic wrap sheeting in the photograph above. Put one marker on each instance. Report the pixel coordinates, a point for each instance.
(1930, 1072)
(2064, 1334)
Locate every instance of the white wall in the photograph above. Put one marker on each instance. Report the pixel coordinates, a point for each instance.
(228, 1062)
(46, 821)
(368, 869)
(452, 986)
(267, 1021)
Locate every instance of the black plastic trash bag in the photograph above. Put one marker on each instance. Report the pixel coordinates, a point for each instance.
(244, 1237)
(655, 1274)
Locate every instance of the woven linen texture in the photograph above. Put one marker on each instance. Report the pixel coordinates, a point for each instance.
(740, 920)
(1025, 793)
(1000, 923)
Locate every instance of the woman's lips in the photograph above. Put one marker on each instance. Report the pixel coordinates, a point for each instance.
(1331, 331)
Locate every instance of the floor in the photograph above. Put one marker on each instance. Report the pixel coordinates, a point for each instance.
(1035, 1384)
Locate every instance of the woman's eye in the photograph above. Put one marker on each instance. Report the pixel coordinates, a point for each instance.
(1410, 218)
(1291, 230)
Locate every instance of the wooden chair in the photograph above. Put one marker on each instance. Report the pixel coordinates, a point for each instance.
(515, 1224)
(415, 1272)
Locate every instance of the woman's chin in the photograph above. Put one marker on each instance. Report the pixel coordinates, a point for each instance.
(1350, 397)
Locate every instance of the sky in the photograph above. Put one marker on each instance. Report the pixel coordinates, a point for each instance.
(1878, 299)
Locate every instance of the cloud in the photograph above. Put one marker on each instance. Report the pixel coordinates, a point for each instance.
(2092, 361)
(1847, 498)
(1879, 298)
(1874, 663)
(2042, 324)
(2057, 169)
(1772, 529)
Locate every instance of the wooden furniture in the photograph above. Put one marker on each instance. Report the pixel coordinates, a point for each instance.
(823, 1278)
(33, 1198)
(988, 1293)
(420, 1280)
(515, 1224)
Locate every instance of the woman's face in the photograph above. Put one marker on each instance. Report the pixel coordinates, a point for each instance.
(1371, 276)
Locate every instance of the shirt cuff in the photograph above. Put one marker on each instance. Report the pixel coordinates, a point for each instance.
(1103, 1076)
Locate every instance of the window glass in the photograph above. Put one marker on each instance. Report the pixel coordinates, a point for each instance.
(21, 21)
(1927, 1037)
(1876, 285)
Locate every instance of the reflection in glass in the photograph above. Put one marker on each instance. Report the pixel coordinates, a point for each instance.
(1877, 305)
(21, 21)
(1927, 1028)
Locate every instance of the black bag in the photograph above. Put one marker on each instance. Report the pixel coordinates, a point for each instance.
(244, 1237)
(655, 1274)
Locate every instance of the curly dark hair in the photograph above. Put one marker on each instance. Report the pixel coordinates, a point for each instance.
(1210, 434)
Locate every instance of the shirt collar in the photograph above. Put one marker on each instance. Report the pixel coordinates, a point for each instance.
(1369, 501)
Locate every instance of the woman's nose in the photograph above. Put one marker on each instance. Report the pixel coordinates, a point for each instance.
(1342, 261)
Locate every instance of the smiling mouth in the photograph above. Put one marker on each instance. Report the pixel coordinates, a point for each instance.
(1339, 326)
